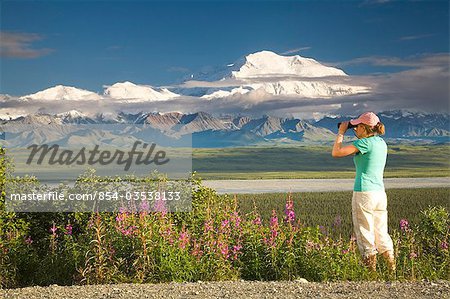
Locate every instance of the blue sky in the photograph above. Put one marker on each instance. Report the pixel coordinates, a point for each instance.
(88, 44)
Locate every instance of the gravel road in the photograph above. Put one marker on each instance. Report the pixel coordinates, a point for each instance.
(240, 289)
(315, 185)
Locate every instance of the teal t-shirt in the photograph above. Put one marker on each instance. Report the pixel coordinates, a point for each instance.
(370, 162)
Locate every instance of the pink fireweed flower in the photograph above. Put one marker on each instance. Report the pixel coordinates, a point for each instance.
(225, 223)
(257, 221)
(53, 229)
(345, 251)
(224, 250)
(236, 219)
(236, 251)
(184, 239)
(68, 229)
(144, 207)
(160, 206)
(28, 240)
(196, 251)
(122, 210)
(289, 211)
(412, 255)
(121, 217)
(444, 245)
(129, 231)
(404, 225)
(208, 226)
(273, 229)
(274, 220)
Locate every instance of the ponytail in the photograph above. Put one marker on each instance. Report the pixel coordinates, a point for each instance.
(379, 128)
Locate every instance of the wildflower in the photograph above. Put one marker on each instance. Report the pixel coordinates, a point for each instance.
(223, 249)
(236, 250)
(345, 251)
(184, 239)
(208, 226)
(225, 223)
(160, 206)
(121, 217)
(28, 240)
(68, 229)
(90, 223)
(122, 210)
(131, 230)
(337, 221)
(289, 211)
(444, 245)
(274, 220)
(257, 221)
(53, 229)
(144, 207)
(273, 228)
(412, 255)
(196, 251)
(404, 225)
(236, 219)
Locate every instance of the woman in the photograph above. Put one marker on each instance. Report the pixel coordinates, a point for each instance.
(369, 197)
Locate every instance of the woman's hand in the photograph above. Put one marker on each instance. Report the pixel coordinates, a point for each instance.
(343, 127)
(339, 151)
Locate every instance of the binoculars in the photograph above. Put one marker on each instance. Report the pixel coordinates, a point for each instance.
(349, 125)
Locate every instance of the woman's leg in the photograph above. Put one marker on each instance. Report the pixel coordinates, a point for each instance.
(382, 239)
(363, 223)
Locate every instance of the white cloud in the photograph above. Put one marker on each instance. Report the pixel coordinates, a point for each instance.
(414, 37)
(19, 45)
(425, 86)
(296, 50)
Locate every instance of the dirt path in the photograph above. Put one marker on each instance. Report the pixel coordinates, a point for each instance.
(315, 185)
(240, 289)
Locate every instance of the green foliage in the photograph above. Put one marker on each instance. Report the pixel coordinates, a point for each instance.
(222, 238)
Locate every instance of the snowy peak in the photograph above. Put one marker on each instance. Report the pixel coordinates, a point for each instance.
(61, 92)
(273, 74)
(225, 93)
(270, 64)
(130, 92)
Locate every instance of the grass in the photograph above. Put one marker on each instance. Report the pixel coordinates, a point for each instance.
(322, 208)
(314, 162)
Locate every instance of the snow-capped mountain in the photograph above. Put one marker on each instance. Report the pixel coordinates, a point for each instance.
(269, 64)
(75, 117)
(401, 124)
(281, 75)
(60, 92)
(225, 93)
(211, 131)
(4, 97)
(123, 92)
(130, 92)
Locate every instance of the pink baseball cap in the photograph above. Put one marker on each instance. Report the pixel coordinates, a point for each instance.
(368, 118)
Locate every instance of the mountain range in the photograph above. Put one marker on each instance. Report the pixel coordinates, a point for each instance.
(263, 71)
(221, 131)
(257, 77)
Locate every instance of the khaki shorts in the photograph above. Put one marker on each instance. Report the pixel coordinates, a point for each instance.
(370, 222)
